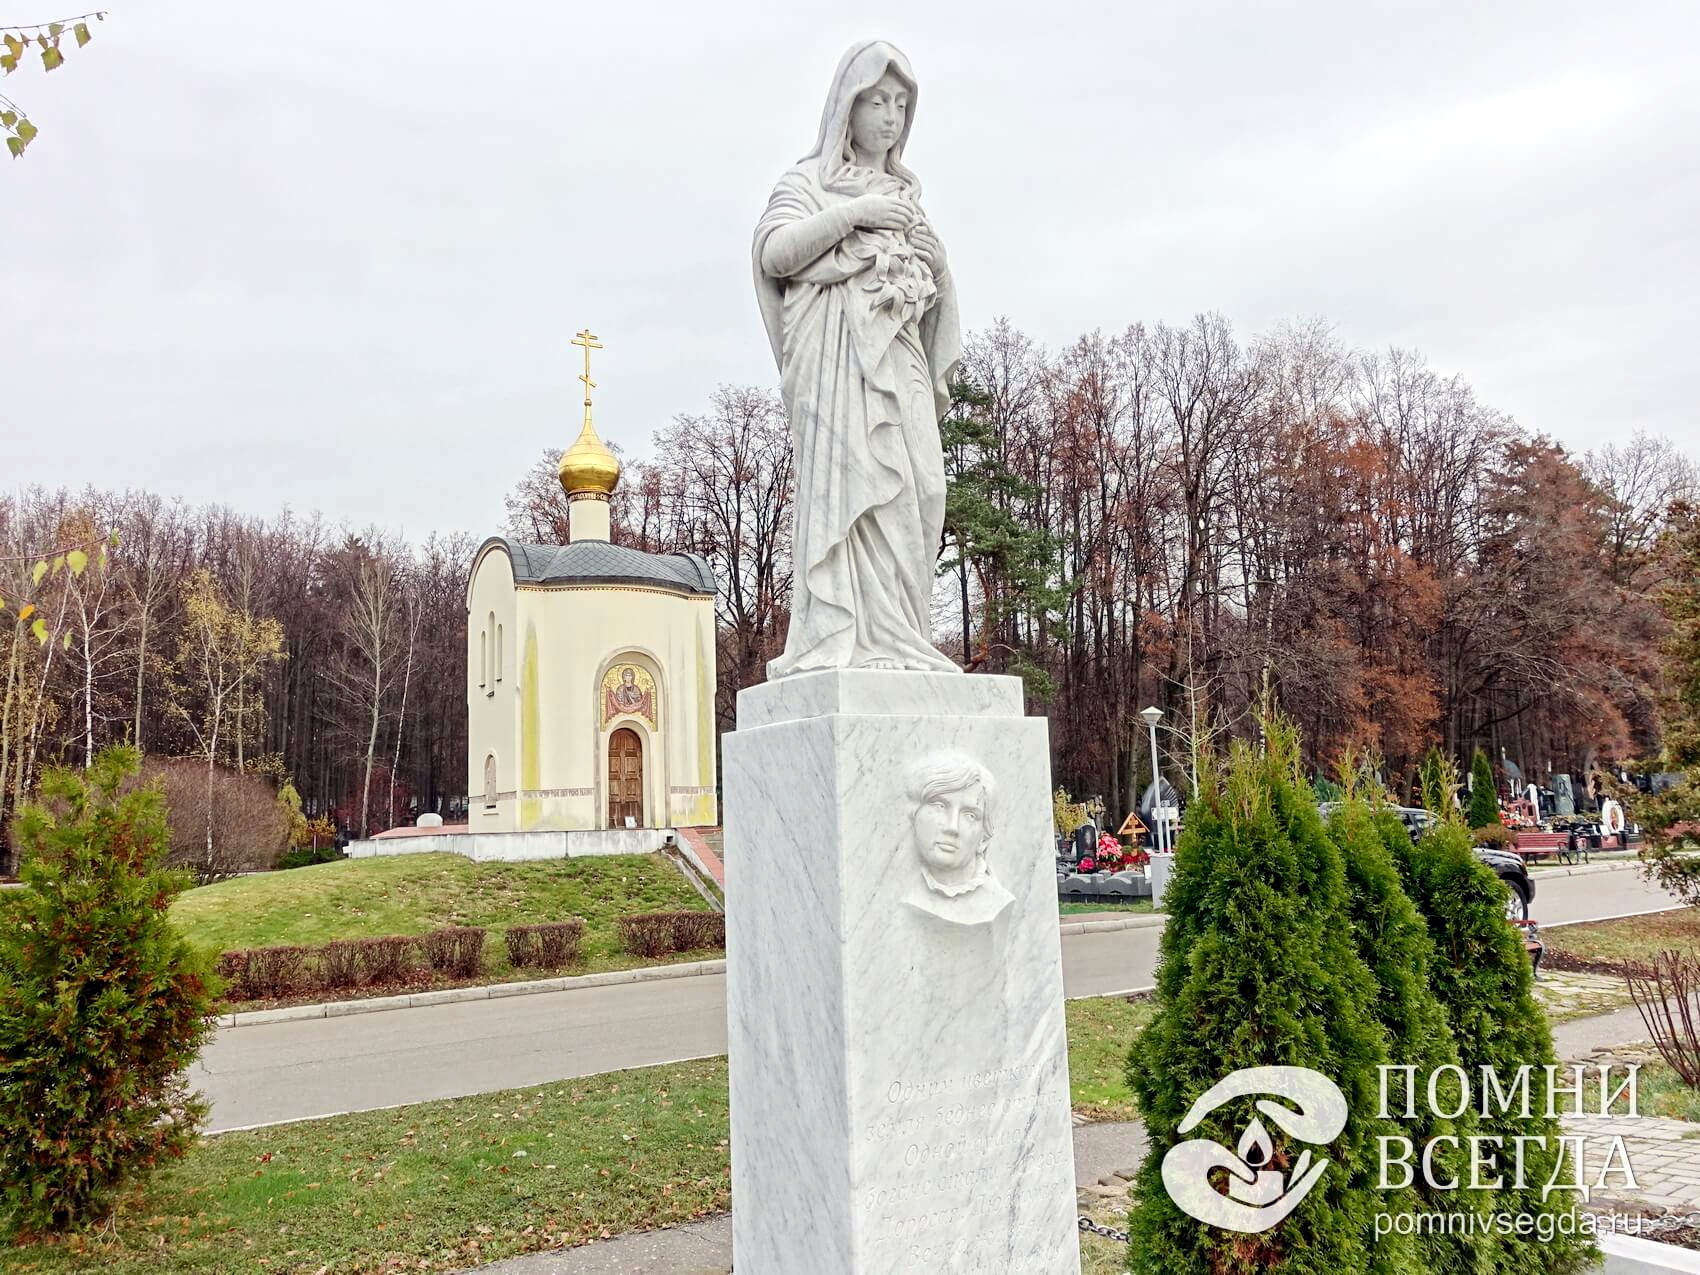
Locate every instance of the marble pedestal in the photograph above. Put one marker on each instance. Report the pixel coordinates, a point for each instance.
(899, 1065)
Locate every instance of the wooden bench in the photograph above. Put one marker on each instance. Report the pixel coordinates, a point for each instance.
(1535, 845)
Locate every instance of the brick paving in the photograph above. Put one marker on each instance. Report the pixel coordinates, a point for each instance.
(1664, 1156)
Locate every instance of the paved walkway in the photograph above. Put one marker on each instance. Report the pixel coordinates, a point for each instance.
(1101, 1152)
(1583, 1036)
(1663, 1154)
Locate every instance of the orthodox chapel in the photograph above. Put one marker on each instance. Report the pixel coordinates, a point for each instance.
(590, 671)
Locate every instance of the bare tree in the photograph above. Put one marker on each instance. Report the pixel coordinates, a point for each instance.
(219, 650)
(370, 615)
(1641, 481)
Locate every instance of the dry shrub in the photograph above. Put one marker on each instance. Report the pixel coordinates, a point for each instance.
(250, 827)
(388, 959)
(233, 970)
(547, 946)
(692, 930)
(340, 964)
(457, 951)
(655, 934)
(1667, 992)
(270, 973)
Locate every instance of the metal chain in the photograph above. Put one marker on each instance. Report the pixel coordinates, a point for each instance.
(1109, 1233)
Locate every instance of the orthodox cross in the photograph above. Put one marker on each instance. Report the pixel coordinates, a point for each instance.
(587, 340)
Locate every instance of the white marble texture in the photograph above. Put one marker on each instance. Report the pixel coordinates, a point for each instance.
(860, 308)
(880, 693)
(898, 1054)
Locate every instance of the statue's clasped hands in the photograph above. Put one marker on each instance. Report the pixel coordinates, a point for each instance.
(887, 212)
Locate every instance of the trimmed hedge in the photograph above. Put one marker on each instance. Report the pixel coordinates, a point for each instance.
(340, 964)
(455, 950)
(655, 934)
(265, 973)
(273, 973)
(547, 946)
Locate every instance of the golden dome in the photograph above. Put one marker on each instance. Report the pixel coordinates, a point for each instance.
(588, 466)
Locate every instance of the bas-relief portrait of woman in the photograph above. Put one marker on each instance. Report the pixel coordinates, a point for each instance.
(951, 828)
(857, 299)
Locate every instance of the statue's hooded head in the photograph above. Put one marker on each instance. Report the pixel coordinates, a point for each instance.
(859, 70)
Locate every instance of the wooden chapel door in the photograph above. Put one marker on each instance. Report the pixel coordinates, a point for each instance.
(625, 777)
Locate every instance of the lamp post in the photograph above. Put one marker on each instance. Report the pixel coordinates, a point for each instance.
(1151, 717)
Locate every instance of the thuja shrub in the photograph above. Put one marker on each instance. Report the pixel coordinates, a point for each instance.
(1259, 967)
(456, 950)
(546, 946)
(1393, 940)
(1482, 977)
(103, 1005)
(1484, 792)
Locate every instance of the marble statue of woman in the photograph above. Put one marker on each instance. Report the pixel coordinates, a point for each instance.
(858, 303)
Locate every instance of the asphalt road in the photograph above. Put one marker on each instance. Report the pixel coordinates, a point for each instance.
(317, 1067)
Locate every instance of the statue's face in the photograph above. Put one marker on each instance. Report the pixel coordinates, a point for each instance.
(877, 118)
(950, 830)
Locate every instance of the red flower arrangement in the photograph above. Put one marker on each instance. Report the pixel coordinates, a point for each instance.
(1112, 856)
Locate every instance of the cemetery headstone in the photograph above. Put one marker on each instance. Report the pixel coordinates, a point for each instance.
(898, 1059)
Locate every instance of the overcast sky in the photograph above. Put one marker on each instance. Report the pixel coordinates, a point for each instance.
(330, 256)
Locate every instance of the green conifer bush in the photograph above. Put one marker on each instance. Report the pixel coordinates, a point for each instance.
(102, 1003)
(1259, 967)
(1393, 940)
(1482, 976)
(1484, 793)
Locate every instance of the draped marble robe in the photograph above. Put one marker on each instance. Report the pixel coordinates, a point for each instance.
(866, 338)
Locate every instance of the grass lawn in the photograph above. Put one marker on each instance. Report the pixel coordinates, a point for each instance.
(1128, 905)
(442, 1186)
(1099, 1034)
(1661, 1092)
(1634, 938)
(436, 1187)
(411, 894)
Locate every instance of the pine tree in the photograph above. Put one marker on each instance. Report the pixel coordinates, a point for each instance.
(1259, 968)
(1014, 562)
(102, 1003)
(1482, 977)
(1484, 792)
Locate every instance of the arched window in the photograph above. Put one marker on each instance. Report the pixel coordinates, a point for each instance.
(490, 781)
(494, 655)
(483, 656)
(499, 646)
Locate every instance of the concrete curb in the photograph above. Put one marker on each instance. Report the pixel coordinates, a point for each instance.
(485, 992)
(1631, 1255)
(1541, 873)
(1140, 922)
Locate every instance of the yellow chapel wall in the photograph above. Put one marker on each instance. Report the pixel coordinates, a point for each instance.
(492, 692)
(580, 632)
